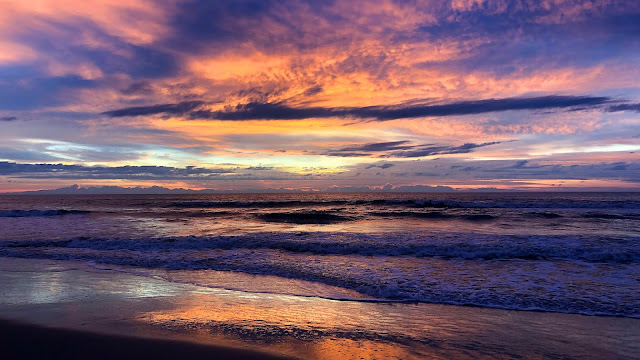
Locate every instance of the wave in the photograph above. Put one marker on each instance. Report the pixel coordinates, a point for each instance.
(256, 204)
(186, 214)
(413, 214)
(565, 286)
(479, 217)
(436, 215)
(418, 203)
(313, 204)
(608, 216)
(313, 217)
(452, 246)
(40, 213)
(545, 215)
(529, 204)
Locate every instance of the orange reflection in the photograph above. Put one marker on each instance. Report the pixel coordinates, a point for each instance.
(308, 327)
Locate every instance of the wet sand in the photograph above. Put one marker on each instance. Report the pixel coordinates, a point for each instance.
(26, 341)
(74, 310)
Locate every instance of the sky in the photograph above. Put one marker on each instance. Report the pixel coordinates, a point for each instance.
(309, 94)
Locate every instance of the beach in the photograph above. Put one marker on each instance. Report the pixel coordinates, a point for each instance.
(323, 276)
(25, 341)
(62, 309)
(305, 179)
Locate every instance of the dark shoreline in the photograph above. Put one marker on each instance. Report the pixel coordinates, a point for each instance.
(25, 341)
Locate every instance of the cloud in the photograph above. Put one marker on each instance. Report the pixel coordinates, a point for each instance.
(170, 109)
(71, 52)
(402, 149)
(280, 111)
(199, 24)
(136, 88)
(382, 166)
(369, 149)
(512, 173)
(624, 107)
(12, 153)
(512, 37)
(31, 91)
(421, 151)
(8, 118)
(381, 146)
(62, 171)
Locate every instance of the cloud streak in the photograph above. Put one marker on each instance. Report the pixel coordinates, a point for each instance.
(403, 149)
(421, 151)
(62, 171)
(624, 107)
(281, 111)
(168, 109)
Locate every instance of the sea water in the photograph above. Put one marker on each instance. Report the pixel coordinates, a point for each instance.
(553, 252)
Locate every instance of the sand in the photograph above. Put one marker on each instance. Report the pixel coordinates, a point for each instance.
(59, 309)
(26, 341)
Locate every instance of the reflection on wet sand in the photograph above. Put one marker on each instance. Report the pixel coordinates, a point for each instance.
(313, 328)
(327, 329)
(70, 295)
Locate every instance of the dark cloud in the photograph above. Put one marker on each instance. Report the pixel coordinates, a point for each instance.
(420, 151)
(27, 93)
(523, 169)
(483, 106)
(370, 149)
(534, 19)
(465, 171)
(10, 153)
(402, 149)
(382, 166)
(620, 166)
(8, 118)
(268, 111)
(526, 35)
(347, 154)
(138, 88)
(280, 111)
(62, 171)
(171, 109)
(381, 146)
(313, 90)
(30, 86)
(137, 61)
(624, 107)
(626, 171)
(199, 24)
(270, 26)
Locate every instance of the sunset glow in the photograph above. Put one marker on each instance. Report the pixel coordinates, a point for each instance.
(303, 94)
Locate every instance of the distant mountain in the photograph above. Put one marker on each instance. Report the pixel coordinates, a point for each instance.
(391, 188)
(159, 190)
(111, 190)
(138, 190)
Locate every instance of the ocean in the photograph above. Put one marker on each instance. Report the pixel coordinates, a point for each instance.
(575, 253)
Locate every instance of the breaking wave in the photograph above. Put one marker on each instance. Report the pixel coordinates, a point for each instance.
(312, 217)
(39, 213)
(415, 203)
(451, 246)
(570, 275)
